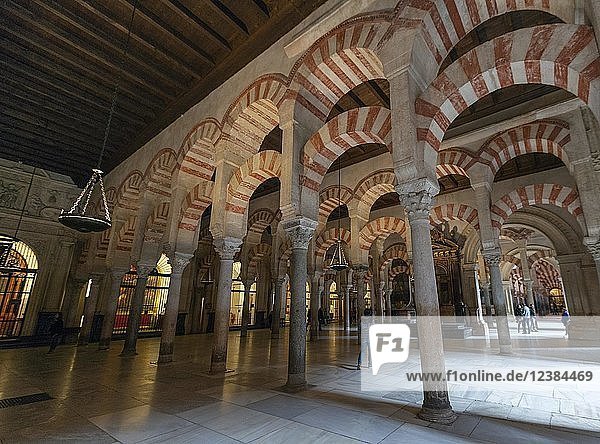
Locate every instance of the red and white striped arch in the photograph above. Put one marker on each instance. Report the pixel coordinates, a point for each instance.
(329, 199)
(446, 22)
(454, 161)
(547, 275)
(257, 222)
(256, 254)
(196, 154)
(370, 124)
(454, 211)
(157, 223)
(196, 202)
(565, 56)
(128, 193)
(159, 174)
(339, 61)
(372, 188)
(539, 255)
(254, 171)
(254, 114)
(400, 269)
(544, 136)
(328, 238)
(379, 226)
(395, 251)
(537, 194)
(126, 234)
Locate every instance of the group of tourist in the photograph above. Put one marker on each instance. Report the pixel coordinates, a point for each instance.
(526, 318)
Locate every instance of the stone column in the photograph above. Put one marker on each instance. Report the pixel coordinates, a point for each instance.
(527, 280)
(75, 290)
(135, 311)
(178, 263)
(276, 313)
(226, 249)
(347, 290)
(359, 272)
(417, 199)
(108, 322)
(299, 230)
(492, 260)
(89, 309)
(485, 290)
(246, 308)
(315, 289)
(594, 247)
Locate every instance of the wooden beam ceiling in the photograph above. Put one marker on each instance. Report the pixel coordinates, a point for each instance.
(60, 59)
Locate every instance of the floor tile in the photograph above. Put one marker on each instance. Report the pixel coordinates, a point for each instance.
(415, 434)
(284, 406)
(302, 434)
(194, 434)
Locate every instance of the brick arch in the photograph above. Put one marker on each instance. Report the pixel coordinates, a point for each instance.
(329, 199)
(128, 193)
(564, 56)
(372, 188)
(257, 222)
(538, 194)
(256, 254)
(127, 234)
(444, 23)
(547, 274)
(359, 126)
(248, 177)
(196, 153)
(158, 177)
(540, 255)
(454, 211)
(395, 251)
(542, 136)
(337, 62)
(157, 223)
(379, 226)
(400, 269)
(195, 203)
(328, 238)
(254, 113)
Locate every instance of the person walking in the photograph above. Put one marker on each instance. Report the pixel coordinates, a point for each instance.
(534, 324)
(56, 332)
(321, 318)
(526, 319)
(519, 317)
(566, 319)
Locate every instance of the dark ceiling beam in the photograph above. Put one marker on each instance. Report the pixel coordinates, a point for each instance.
(226, 13)
(71, 79)
(50, 120)
(153, 47)
(57, 47)
(184, 12)
(72, 20)
(263, 7)
(166, 27)
(81, 103)
(35, 102)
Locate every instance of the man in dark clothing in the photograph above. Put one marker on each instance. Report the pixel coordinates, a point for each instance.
(321, 317)
(56, 332)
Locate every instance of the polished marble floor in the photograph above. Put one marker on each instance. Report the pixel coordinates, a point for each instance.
(101, 397)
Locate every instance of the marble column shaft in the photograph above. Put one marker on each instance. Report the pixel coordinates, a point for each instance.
(178, 263)
(315, 291)
(347, 290)
(226, 249)
(246, 308)
(276, 313)
(110, 312)
(89, 310)
(492, 260)
(135, 310)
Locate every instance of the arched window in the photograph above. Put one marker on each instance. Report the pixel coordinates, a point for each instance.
(155, 298)
(16, 283)
(334, 301)
(237, 297)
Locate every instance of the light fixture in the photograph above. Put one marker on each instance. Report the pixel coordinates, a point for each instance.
(9, 263)
(76, 218)
(338, 260)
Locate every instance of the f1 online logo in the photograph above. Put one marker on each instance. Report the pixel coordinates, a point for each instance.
(388, 343)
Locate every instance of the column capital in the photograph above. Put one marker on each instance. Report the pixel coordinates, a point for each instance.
(492, 257)
(360, 271)
(417, 198)
(227, 247)
(143, 270)
(96, 277)
(593, 246)
(179, 261)
(471, 266)
(278, 281)
(300, 231)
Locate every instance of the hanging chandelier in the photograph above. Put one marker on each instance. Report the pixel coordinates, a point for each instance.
(77, 217)
(10, 263)
(338, 260)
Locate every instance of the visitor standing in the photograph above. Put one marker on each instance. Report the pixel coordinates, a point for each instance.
(56, 332)
(534, 324)
(526, 319)
(566, 320)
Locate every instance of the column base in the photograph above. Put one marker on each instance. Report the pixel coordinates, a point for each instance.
(126, 353)
(218, 368)
(243, 333)
(506, 350)
(296, 382)
(439, 416)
